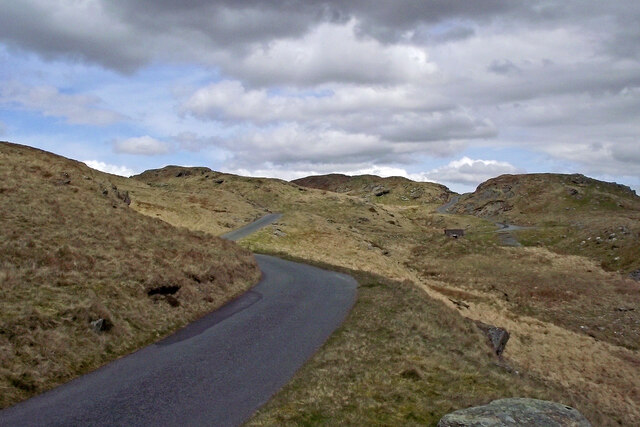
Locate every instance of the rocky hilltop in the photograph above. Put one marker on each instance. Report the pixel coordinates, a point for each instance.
(571, 214)
(389, 190)
(536, 197)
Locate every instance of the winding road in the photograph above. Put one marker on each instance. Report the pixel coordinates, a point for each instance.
(216, 371)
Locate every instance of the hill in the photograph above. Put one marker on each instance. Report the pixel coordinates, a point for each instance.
(395, 189)
(410, 350)
(85, 279)
(412, 336)
(571, 214)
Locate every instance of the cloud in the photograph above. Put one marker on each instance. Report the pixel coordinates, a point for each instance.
(342, 83)
(143, 145)
(49, 101)
(468, 171)
(3, 129)
(112, 169)
(331, 53)
(396, 121)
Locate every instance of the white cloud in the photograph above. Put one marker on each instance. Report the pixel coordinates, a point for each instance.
(230, 100)
(49, 101)
(332, 53)
(112, 169)
(468, 171)
(142, 145)
(360, 123)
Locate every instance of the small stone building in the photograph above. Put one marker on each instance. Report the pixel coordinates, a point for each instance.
(454, 232)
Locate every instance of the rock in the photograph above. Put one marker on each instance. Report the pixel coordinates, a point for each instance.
(124, 196)
(101, 325)
(498, 337)
(380, 191)
(635, 275)
(516, 412)
(219, 181)
(279, 233)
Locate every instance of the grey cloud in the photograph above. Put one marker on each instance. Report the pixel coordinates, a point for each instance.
(503, 67)
(124, 34)
(55, 30)
(434, 127)
(628, 152)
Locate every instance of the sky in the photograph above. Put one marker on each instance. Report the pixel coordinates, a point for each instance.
(449, 91)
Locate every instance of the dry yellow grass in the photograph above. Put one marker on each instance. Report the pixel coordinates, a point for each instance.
(73, 252)
(547, 344)
(401, 358)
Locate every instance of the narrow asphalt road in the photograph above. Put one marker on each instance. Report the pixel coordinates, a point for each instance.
(216, 371)
(444, 209)
(253, 227)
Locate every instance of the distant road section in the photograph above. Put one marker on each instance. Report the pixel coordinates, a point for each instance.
(444, 209)
(252, 228)
(216, 371)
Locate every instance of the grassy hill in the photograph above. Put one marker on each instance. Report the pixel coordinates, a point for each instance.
(572, 214)
(391, 190)
(409, 335)
(410, 352)
(72, 252)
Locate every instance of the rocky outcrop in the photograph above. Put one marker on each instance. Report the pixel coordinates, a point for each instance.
(497, 337)
(101, 325)
(516, 412)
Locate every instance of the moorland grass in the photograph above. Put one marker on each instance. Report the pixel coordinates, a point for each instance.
(73, 252)
(400, 358)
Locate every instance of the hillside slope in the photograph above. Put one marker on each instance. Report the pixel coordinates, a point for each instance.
(572, 214)
(72, 252)
(545, 300)
(395, 189)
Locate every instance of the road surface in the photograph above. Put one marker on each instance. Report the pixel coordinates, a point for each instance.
(252, 228)
(444, 209)
(216, 371)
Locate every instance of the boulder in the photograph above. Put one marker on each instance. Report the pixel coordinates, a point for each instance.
(635, 275)
(498, 337)
(516, 412)
(101, 325)
(380, 191)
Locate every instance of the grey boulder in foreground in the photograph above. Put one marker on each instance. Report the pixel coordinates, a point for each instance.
(216, 371)
(516, 412)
